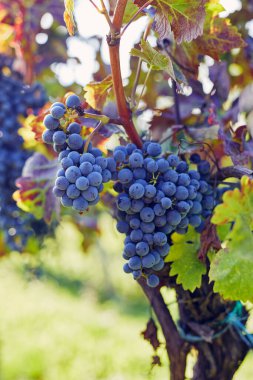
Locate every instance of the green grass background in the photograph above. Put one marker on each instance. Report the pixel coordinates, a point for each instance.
(70, 315)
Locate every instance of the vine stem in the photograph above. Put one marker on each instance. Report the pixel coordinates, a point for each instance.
(135, 15)
(177, 349)
(114, 44)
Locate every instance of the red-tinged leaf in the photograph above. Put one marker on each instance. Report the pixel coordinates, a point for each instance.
(208, 239)
(186, 18)
(161, 25)
(35, 188)
(219, 37)
(97, 92)
(150, 334)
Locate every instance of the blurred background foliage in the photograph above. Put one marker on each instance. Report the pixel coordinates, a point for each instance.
(70, 315)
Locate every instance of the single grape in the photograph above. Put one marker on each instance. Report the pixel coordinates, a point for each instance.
(73, 101)
(153, 281)
(57, 112)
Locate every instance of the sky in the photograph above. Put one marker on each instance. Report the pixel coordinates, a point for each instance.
(91, 23)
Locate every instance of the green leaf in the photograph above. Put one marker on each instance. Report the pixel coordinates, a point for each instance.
(232, 267)
(184, 257)
(130, 11)
(97, 92)
(154, 59)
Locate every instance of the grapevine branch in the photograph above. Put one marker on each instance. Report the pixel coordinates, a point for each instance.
(177, 348)
(114, 43)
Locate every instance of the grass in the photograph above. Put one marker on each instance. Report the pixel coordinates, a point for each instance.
(68, 315)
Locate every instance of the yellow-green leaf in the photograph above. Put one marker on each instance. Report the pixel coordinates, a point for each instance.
(97, 92)
(232, 267)
(184, 258)
(236, 203)
(154, 59)
(130, 11)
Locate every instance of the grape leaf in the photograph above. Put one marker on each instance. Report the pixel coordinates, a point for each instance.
(218, 37)
(35, 188)
(130, 11)
(184, 258)
(237, 203)
(232, 267)
(69, 16)
(97, 92)
(186, 18)
(161, 24)
(154, 59)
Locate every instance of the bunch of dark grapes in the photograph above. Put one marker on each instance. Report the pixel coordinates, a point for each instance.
(81, 178)
(157, 196)
(15, 100)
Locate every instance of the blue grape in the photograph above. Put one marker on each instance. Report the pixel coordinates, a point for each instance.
(136, 191)
(90, 194)
(153, 281)
(173, 217)
(181, 193)
(147, 214)
(80, 204)
(147, 228)
(135, 223)
(50, 122)
(47, 136)
(95, 179)
(148, 261)
(74, 128)
(59, 137)
(72, 173)
(57, 112)
(82, 183)
(86, 168)
(75, 141)
(73, 192)
(127, 269)
(75, 157)
(61, 183)
(160, 239)
(150, 191)
(142, 248)
(173, 160)
(135, 263)
(130, 249)
(136, 160)
(166, 203)
(154, 149)
(73, 101)
(125, 176)
(136, 235)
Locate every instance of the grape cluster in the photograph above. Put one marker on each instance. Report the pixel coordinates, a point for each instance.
(157, 196)
(15, 99)
(81, 178)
